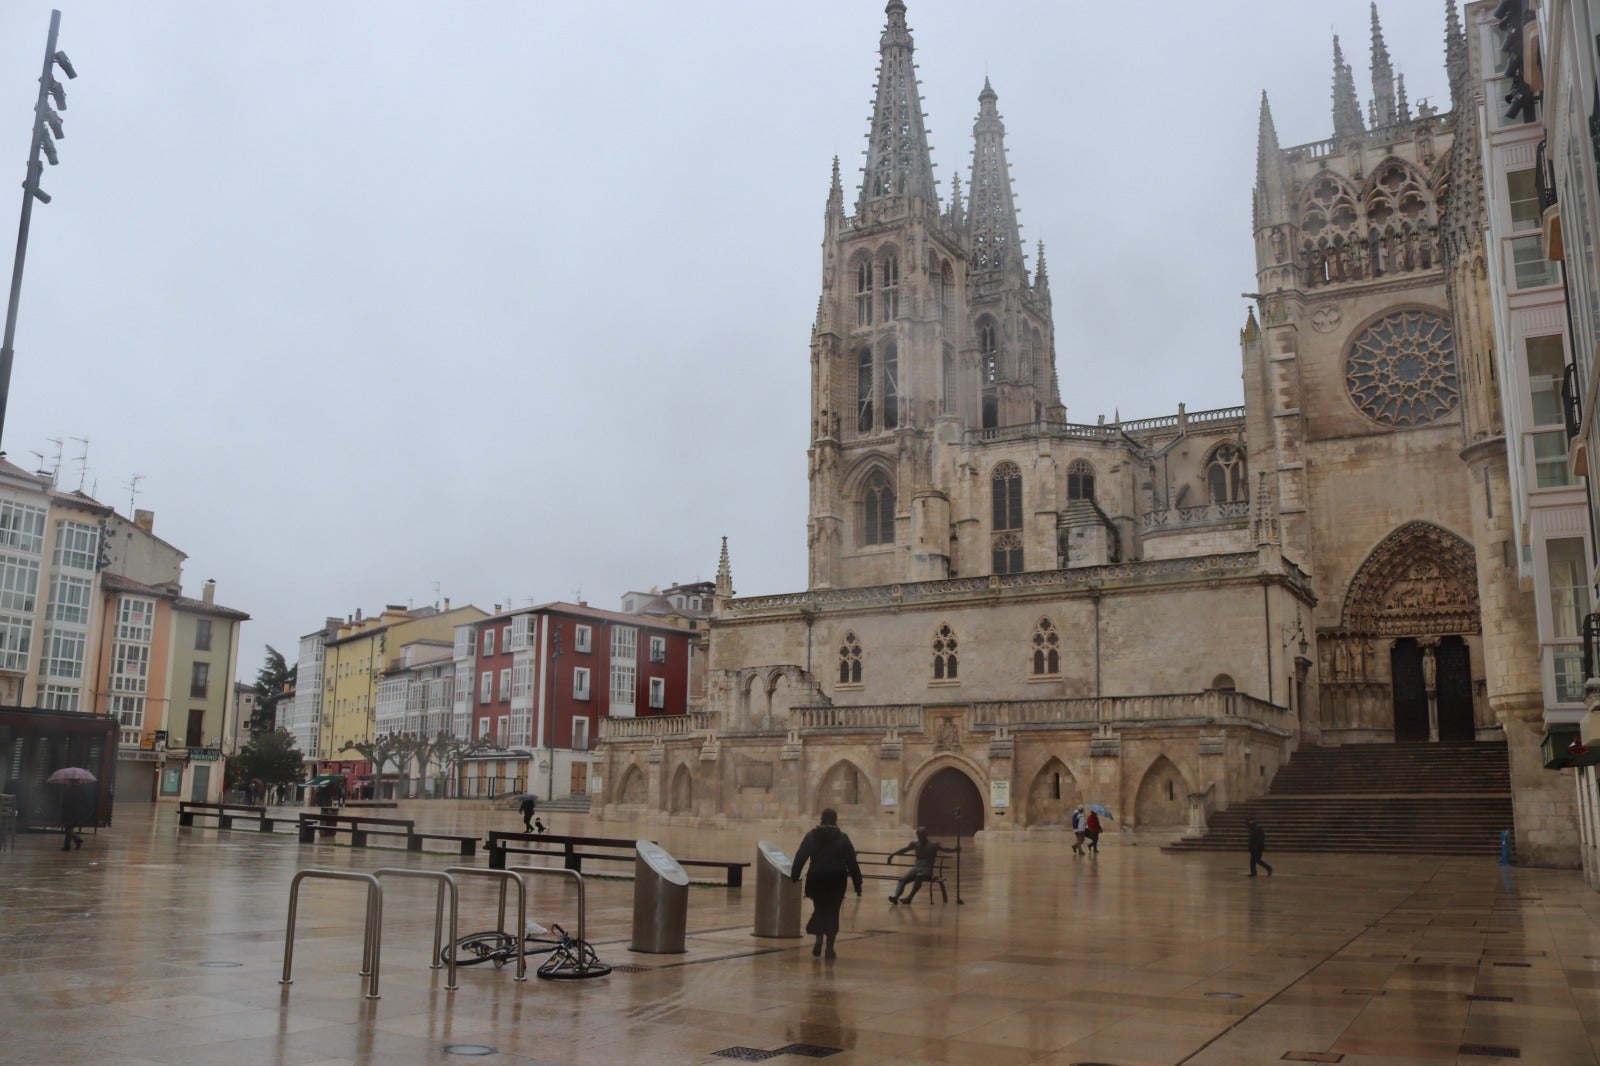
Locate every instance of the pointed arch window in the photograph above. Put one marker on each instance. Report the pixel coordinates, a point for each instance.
(864, 293)
(1046, 649)
(891, 386)
(946, 298)
(850, 660)
(1226, 481)
(877, 511)
(1006, 554)
(864, 390)
(1080, 480)
(989, 352)
(945, 663)
(890, 287)
(1005, 491)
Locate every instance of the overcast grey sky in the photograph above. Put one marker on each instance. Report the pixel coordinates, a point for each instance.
(509, 299)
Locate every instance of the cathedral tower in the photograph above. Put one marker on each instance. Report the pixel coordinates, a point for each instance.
(928, 326)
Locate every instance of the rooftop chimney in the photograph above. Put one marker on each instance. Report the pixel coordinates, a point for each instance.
(447, 603)
(208, 591)
(145, 520)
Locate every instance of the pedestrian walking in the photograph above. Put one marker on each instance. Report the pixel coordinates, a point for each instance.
(530, 824)
(1258, 844)
(923, 852)
(1091, 830)
(833, 863)
(71, 819)
(1077, 830)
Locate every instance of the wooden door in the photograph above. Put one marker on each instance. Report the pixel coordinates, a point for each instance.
(1410, 691)
(946, 792)
(1454, 678)
(580, 779)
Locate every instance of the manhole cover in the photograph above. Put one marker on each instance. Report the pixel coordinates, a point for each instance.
(745, 1054)
(220, 965)
(469, 1049)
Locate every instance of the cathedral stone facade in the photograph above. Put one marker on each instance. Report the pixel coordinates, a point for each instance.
(1008, 613)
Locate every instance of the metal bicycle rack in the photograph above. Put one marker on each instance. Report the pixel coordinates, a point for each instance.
(446, 882)
(371, 941)
(505, 877)
(578, 960)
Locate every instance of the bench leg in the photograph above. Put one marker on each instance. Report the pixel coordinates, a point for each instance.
(264, 826)
(224, 821)
(735, 876)
(308, 835)
(358, 838)
(944, 894)
(469, 847)
(186, 820)
(413, 843)
(497, 858)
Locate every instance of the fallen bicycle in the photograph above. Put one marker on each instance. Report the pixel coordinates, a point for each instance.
(569, 959)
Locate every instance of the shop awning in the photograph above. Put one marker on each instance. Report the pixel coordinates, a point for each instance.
(322, 779)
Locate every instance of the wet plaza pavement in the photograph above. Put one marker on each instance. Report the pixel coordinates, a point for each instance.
(159, 944)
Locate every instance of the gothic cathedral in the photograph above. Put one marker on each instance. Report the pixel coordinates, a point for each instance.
(1009, 613)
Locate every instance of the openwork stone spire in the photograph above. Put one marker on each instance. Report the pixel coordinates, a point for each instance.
(1269, 163)
(992, 215)
(1041, 278)
(1384, 112)
(724, 573)
(955, 216)
(898, 163)
(1346, 107)
(1455, 55)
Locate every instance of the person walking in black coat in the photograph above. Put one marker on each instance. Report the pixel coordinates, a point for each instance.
(833, 862)
(71, 818)
(1258, 844)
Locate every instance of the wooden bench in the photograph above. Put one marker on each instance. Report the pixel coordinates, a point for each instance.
(224, 813)
(573, 850)
(361, 827)
(876, 866)
(465, 845)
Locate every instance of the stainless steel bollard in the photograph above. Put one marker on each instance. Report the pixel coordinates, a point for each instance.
(777, 897)
(660, 901)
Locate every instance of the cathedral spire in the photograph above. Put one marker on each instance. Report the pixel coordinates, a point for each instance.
(724, 573)
(835, 209)
(1383, 103)
(1346, 107)
(1269, 161)
(1402, 105)
(1455, 54)
(956, 213)
(992, 219)
(898, 163)
(1041, 278)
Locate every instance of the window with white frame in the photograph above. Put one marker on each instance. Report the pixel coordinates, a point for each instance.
(505, 684)
(19, 584)
(582, 639)
(502, 731)
(130, 668)
(64, 653)
(59, 697)
(1546, 365)
(16, 642)
(580, 682)
(1569, 604)
(520, 632)
(136, 619)
(622, 686)
(521, 680)
(658, 649)
(658, 693)
(488, 643)
(128, 711)
(580, 733)
(466, 642)
(1523, 192)
(21, 527)
(486, 687)
(77, 546)
(624, 643)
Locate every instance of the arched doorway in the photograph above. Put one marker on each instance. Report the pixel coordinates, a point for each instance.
(946, 792)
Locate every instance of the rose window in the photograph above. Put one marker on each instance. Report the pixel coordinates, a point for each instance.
(1401, 370)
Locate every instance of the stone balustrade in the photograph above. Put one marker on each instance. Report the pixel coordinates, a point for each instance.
(1180, 706)
(898, 716)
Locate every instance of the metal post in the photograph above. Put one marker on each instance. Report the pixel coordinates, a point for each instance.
(446, 883)
(35, 167)
(503, 876)
(959, 900)
(550, 716)
(372, 933)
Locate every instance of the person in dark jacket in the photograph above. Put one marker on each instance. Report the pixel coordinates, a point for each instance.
(1258, 844)
(923, 852)
(833, 862)
(71, 818)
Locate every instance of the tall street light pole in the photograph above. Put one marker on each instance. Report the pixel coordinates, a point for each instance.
(46, 131)
(550, 717)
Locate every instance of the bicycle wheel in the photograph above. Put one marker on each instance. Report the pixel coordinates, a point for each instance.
(476, 948)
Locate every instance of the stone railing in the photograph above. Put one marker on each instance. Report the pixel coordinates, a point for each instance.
(1094, 710)
(899, 716)
(1203, 514)
(930, 591)
(666, 725)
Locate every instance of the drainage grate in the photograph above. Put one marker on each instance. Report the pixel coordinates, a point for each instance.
(1313, 1056)
(220, 965)
(628, 967)
(808, 1051)
(470, 1049)
(1491, 1051)
(1473, 996)
(745, 1054)
(1224, 995)
(1519, 965)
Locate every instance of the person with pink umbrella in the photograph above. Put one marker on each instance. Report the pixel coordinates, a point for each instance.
(71, 807)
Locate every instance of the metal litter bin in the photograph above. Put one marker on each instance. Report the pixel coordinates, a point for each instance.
(777, 897)
(660, 901)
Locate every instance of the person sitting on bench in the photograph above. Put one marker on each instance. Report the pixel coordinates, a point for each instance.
(924, 851)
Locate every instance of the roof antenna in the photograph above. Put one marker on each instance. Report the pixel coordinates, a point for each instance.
(82, 461)
(133, 491)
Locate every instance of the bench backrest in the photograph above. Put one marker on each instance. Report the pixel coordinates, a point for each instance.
(355, 821)
(551, 838)
(188, 805)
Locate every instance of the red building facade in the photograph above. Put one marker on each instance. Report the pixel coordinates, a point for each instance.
(536, 682)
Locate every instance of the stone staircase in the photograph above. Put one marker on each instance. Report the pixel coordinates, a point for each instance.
(1419, 799)
(564, 805)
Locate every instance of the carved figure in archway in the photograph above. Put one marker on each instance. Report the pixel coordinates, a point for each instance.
(1421, 580)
